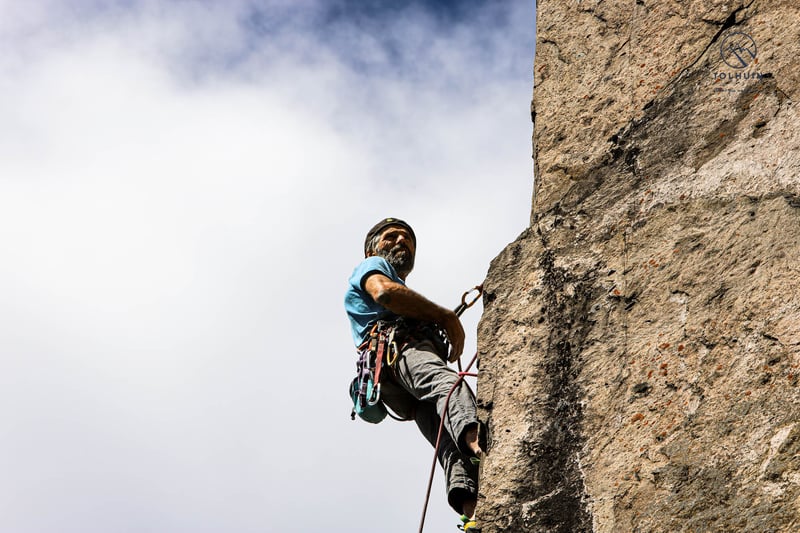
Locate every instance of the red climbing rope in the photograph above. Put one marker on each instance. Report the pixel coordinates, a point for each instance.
(461, 376)
(463, 306)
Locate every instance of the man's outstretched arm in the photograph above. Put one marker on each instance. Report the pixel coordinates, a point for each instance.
(403, 301)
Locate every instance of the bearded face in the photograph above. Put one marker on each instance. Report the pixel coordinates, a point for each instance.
(400, 257)
(396, 246)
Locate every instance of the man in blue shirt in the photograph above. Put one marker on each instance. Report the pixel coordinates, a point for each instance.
(416, 383)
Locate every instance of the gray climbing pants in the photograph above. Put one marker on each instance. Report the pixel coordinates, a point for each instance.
(416, 388)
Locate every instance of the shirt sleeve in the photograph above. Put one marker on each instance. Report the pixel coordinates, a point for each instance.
(361, 309)
(372, 265)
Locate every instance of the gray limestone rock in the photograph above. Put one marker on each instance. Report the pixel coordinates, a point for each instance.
(640, 344)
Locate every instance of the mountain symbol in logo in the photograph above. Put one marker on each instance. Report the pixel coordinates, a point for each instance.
(738, 50)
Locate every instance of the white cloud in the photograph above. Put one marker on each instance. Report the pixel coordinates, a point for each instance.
(181, 202)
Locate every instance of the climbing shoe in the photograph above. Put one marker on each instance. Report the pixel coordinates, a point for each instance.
(470, 526)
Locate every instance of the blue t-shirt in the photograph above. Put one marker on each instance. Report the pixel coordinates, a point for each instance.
(361, 309)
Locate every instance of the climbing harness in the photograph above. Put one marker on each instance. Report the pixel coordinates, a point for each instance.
(381, 346)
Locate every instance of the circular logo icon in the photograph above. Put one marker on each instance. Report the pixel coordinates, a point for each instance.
(738, 50)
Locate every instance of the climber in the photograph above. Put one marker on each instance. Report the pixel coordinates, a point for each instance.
(416, 379)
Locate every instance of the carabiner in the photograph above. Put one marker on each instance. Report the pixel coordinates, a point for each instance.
(393, 351)
(374, 395)
(464, 305)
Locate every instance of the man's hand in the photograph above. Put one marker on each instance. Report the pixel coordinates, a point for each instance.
(455, 334)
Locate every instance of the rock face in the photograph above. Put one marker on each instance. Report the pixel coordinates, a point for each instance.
(640, 344)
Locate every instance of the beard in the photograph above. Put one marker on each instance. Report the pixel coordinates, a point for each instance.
(401, 259)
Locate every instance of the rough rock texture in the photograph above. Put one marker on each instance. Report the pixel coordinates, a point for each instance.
(640, 344)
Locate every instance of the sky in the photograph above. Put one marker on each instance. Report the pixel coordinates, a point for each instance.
(185, 187)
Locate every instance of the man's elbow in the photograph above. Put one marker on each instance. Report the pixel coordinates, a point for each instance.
(383, 290)
(383, 296)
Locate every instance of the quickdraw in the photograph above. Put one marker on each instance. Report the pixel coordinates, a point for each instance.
(393, 351)
(378, 367)
(464, 305)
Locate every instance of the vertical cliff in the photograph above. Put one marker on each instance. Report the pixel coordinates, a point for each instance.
(640, 344)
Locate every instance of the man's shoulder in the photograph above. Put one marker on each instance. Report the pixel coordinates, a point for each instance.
(370, 265)
(375, 261)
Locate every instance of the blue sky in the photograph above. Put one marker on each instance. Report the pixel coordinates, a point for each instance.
(184, 190)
